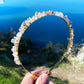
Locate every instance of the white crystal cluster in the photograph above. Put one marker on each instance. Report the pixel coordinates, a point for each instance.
(27, 23)
(15, 50)
(71, 44)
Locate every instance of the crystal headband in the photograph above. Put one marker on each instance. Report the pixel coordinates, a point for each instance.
(29, 21)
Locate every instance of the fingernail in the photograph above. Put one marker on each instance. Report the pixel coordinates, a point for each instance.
(44, 78)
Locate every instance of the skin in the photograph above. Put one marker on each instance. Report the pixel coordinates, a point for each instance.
(42, 78)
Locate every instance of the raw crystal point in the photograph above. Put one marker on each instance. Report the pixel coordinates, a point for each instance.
(33, 18)
(23, 24)
(16, 60)
(36, 17)
(27, 23)
(39, 15)
(57, 13)
(13, 40)
(16, 45)
(15, 54)
(69, 49)
(43, 12)
(72, 32)
(19, 34)
(61, 15)
(16, 40)
(50, 12)
(68, 52)
(70, 25)
(21, 30)
(14, 49)
(21, 27)
(30, 20)
(18, 63)
(72, 43)
(66, 19)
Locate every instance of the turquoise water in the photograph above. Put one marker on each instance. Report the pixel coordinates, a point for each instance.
(43, 30)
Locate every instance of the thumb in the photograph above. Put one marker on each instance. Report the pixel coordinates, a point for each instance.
(42, 79)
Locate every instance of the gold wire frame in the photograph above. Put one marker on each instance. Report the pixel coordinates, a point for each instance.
(28, 22)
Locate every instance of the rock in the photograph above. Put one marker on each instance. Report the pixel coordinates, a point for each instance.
(80, 56)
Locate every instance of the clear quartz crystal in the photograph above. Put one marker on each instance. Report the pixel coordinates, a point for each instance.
(61, 15)
(68, 52)
(15, 54)
(72, 32)
(23, 24)
(13, 40)
(14, 49)
(36, 17)
(18, 63)
(16, 60)
(72, 43)
(66, 19)
(44, 13)
(22, 27)
(70, 25)
(27, 23)
(30, 20)
(21, 30)
(19, 34)
(57, 13)
(69, 49)
(33, 18)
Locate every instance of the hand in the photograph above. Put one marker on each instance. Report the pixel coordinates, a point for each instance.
(42, 78)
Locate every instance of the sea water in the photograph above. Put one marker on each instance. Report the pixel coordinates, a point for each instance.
(43, 30)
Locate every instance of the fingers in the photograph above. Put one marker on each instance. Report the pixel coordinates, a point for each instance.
(42, 79)
(39, 72)
(28, 79)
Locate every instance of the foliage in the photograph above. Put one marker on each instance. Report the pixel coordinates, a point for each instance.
(10, 73)
(54, 52)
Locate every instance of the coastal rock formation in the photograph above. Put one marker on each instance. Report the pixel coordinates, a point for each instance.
(80, 56)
